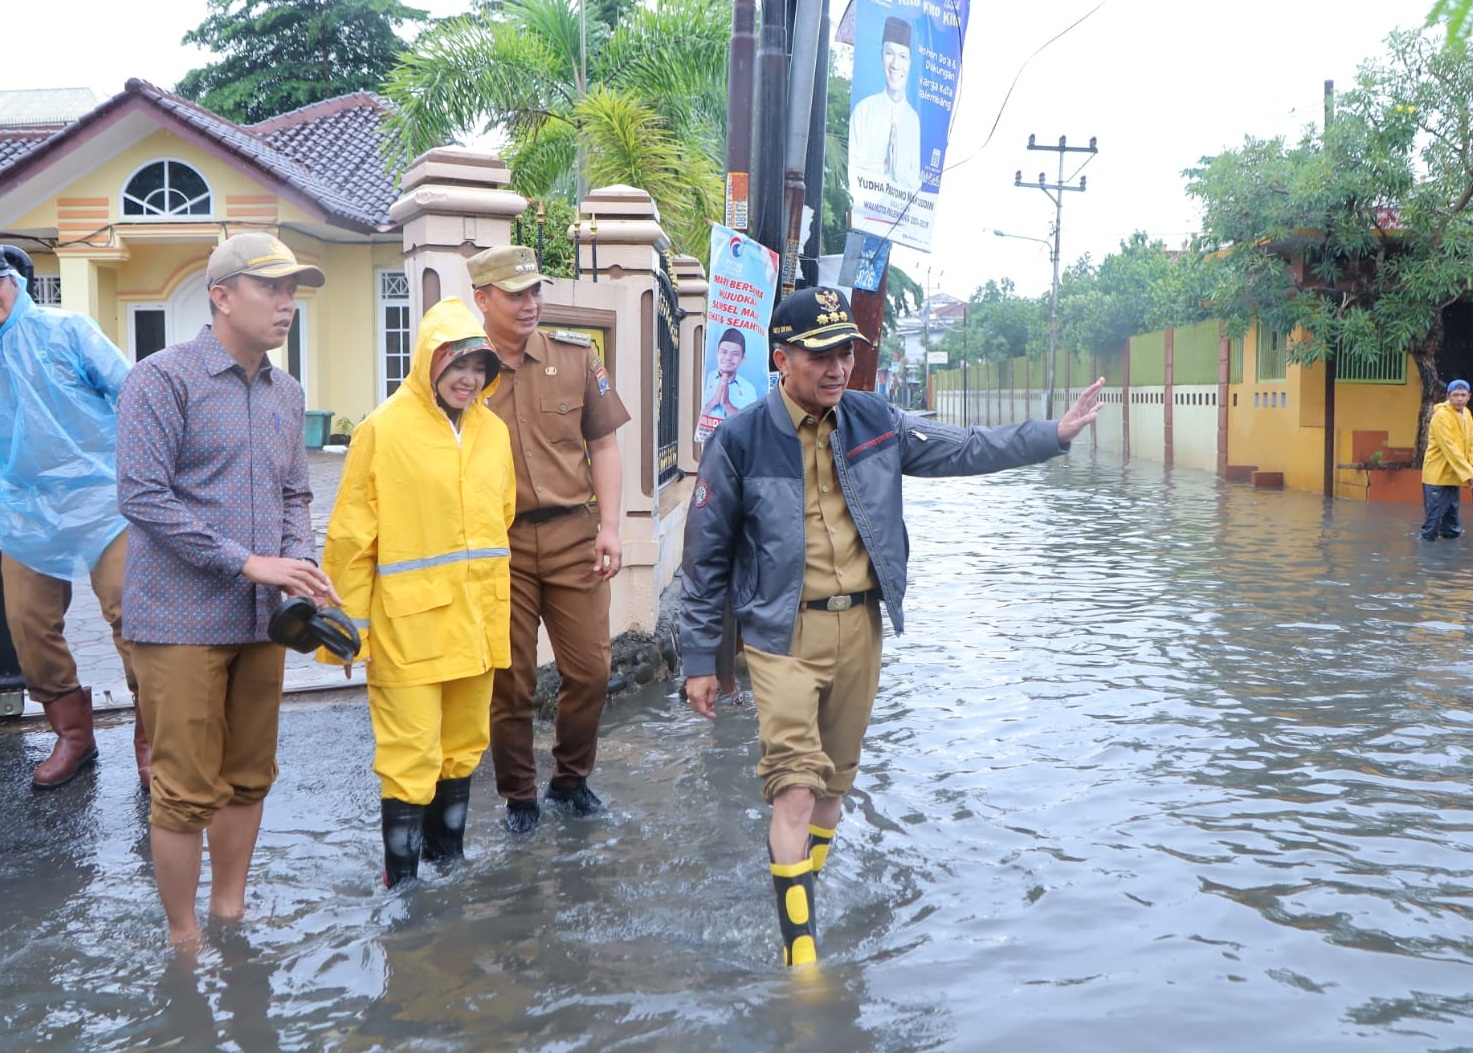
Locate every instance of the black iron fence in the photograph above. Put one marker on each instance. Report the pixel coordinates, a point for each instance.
(667, 375)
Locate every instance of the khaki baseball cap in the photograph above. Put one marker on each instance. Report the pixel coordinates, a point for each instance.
(511, 268)
(261, 256)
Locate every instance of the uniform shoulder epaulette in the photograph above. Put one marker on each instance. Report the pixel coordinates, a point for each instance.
(567, 336)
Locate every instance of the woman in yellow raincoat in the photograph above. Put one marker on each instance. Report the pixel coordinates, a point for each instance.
(417, 547)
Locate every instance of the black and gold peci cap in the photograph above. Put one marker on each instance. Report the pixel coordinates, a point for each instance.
(814, 319)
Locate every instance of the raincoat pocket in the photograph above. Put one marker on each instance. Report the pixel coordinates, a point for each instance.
(416, 622)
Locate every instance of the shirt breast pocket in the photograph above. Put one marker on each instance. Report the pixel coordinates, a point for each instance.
(562, 418)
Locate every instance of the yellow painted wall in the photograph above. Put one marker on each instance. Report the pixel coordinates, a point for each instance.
(146, 262)
(1279, 425)
(345, 378)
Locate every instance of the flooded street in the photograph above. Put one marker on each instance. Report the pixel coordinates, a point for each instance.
(1161, 764)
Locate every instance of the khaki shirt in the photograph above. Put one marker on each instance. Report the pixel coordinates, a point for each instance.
(835, 560)
(556, 401)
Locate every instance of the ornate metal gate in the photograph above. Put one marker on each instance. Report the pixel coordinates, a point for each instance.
(667, 375)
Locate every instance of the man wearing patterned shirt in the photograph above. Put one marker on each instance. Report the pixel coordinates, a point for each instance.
(212, 477)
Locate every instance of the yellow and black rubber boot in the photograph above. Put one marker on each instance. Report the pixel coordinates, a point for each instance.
(819, 840)
(794, 885)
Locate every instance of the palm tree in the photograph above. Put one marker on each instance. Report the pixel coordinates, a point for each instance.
(641, 102)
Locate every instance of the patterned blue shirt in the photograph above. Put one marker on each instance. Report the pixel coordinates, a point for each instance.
(212, 469)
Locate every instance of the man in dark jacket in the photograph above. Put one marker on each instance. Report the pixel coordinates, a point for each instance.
(796, 518)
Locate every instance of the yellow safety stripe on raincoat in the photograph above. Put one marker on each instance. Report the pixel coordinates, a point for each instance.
(1449, 458)
(417, 543)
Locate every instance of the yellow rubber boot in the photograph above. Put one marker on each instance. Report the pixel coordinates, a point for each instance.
(819, 840)
(794, 885)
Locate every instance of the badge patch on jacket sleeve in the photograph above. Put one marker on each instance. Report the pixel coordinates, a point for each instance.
(602, 377)
(702, 493)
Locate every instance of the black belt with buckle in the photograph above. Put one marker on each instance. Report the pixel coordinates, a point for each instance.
(542, 515)
(840, 603)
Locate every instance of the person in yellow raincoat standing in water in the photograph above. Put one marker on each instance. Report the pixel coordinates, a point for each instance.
(417, 548)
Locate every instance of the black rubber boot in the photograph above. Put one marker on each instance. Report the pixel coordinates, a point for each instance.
(794, 885)
(819, 842)
(403, 825)
(444, 826)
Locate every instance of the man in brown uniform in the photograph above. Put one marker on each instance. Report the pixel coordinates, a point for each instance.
(562, 411)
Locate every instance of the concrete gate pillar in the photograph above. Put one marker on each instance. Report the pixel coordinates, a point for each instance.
(691, 286)
(455, 203)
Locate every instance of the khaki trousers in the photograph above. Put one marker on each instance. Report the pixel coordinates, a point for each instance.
(427, 733)
(552, 582)
(36, 607)
(813, 704)
(211, 715)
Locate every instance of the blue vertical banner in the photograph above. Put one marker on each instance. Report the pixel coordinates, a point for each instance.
(738, 306)
(907, 67)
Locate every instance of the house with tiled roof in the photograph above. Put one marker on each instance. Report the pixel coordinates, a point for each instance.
(121, 204)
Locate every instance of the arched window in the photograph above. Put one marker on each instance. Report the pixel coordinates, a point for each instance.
(166, 188)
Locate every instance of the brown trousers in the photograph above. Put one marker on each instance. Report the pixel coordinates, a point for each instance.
(814, 703)
(36, 607)
(211, 714)
(552, 582)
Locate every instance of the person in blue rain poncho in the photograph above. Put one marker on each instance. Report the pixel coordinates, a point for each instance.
(59, 519)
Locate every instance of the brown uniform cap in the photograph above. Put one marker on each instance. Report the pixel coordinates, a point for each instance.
(511, 268)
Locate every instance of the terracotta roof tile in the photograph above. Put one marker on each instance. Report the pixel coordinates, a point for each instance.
(339, 141)
(16, 143)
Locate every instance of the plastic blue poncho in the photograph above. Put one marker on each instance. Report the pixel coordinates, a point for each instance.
(59, 384)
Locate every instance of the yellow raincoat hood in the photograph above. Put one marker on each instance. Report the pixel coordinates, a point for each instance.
(445, 323)
(417, 543)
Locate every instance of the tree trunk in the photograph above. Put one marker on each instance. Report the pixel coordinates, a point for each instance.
(1424, 355)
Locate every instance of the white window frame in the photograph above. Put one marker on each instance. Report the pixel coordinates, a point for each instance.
(133, 310)
(299, 320)
(46, 289)
(154, 217)
(383, 303)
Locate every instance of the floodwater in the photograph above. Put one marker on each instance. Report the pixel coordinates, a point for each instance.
(1162, 764)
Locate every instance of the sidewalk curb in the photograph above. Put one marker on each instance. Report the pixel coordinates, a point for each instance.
(116, 698)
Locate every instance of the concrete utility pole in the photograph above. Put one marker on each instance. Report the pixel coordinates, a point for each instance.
(1055, 192)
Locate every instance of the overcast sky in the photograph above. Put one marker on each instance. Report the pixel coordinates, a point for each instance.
(1159, 83)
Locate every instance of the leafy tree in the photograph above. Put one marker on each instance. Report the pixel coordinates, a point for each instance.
(1454, 14)
(1355, 241)
(278, 55)
(1140, 289)
(836, 200)
(999, 325)
(650, 112)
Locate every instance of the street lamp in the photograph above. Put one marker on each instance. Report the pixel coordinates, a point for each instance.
(1053, 311)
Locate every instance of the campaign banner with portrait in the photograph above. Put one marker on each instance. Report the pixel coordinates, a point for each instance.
(907, 66)
(739, 304)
